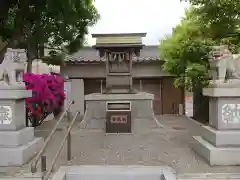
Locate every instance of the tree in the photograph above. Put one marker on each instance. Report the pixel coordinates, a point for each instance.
(32, 24)
(186, 51)
(221, 17)
(186, 57)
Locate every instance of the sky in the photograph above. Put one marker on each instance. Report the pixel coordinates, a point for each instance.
(155, 17)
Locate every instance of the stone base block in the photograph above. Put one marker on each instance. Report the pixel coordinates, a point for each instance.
(16, 138)
(216, 155)
(223, 103)
(19, 155)
(96, 108)
(10, 92)
(221, 138)
(222, 92)
(96, 124)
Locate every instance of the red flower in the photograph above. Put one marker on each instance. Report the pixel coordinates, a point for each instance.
(48, 92)
(37, 111)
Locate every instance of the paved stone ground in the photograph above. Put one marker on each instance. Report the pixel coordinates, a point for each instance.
(170, 146)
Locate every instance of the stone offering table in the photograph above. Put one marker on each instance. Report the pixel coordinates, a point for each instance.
(17, 142)
(220, 141)
(95, 114)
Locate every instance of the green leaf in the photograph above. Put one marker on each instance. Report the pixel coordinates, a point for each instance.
(185, 52)
(53, 23)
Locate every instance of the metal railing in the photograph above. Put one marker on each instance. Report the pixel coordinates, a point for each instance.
(46, 173)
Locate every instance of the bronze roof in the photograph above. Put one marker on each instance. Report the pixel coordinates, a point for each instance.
(91, 55)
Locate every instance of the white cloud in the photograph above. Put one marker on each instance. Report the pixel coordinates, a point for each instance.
(156, 17)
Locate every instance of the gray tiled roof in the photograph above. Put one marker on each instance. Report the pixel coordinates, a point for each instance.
(90, 55)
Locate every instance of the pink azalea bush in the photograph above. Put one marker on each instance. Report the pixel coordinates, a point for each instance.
(47, 93)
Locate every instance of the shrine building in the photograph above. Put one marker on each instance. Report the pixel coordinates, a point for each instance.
(86, 71)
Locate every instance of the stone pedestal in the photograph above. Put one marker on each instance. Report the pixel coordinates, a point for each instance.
(17, 142)
(220, 141)
(95, 114)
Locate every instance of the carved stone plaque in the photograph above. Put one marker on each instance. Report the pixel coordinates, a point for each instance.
(5, 115)
(119, 119)
(231, 113)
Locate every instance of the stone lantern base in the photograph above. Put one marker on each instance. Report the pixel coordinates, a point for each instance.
(17, 142)
(220, 141)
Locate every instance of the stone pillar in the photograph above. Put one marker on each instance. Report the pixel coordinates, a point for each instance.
(77, 94)
(67, 91)
(17, 142)
(220, 141)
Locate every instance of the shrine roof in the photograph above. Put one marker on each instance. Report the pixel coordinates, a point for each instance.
(91, 55)
(119, 35)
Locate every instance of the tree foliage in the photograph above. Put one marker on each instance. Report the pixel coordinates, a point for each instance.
(221, 18)
(32, 24)
(186, 52)
(206, 23)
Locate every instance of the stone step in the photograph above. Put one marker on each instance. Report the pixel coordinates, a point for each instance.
(21, 178)
(119, 89)
(209, 176)
(185, 176)
(115, 172)
(24, 176)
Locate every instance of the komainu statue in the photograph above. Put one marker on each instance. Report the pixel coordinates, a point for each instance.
(225, 67)
(12, 67)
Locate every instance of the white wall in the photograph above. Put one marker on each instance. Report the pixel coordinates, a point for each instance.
(38, 67)
(77, 94)
(99, 70)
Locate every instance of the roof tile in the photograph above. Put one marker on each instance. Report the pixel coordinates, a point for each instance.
(90, 55)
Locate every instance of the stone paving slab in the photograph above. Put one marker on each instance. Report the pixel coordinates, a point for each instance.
(209, 176)
(167, 146)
